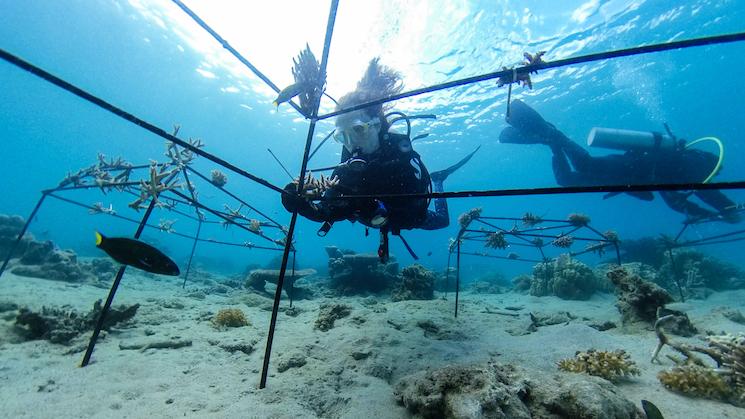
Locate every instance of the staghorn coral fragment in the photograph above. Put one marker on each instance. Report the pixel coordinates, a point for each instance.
(219, 178)
(563, 241)
(98, 208)
(531, 220)
(465, 219)
(314, 188)
(611, 365)
(611, 235)
(254, 226)
(496, 240)
(578, 220)
(166, 226)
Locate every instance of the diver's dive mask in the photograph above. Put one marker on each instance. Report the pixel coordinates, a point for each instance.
(359, 135)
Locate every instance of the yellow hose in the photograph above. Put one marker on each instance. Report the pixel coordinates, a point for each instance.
(718, 142)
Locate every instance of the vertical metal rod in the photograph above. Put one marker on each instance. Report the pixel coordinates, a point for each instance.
(447, 274)
(457, 277)
(675, 273)
(112, 292)
(22, 233)
(292, 276)
(191, 256)
(293, 220)
(509, 101)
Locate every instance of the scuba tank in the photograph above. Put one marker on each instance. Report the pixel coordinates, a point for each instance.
(625, 140)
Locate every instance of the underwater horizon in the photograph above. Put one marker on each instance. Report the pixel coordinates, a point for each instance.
(152, 60)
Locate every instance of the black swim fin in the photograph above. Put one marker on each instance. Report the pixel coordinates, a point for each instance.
(643, 195)
(512, 135)
(532, 124)
(441, 175)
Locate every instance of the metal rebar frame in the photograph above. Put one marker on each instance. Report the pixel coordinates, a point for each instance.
(314, 117)
(301, 182)
(468, 234)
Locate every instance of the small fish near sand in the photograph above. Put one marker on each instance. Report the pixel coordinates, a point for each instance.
(137, 254)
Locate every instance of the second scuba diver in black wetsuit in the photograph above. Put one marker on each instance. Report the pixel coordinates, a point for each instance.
(376, 162)
(573, 166)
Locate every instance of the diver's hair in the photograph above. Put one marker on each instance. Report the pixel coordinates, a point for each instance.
(378, 82)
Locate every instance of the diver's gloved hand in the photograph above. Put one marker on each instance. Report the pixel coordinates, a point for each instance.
(292, 202)
(529, 127)
(730, 217)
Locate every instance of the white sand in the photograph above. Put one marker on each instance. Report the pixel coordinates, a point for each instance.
(39, 380)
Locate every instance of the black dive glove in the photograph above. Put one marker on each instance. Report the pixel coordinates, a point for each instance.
(292, 202)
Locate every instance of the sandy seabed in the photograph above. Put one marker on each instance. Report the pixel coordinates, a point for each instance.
(348, 371)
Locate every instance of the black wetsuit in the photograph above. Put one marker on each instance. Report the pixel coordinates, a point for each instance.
(637, 167)
(395, 168)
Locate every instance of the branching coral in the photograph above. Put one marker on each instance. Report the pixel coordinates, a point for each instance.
(181, 157)
(530, 219)
(597, 248)
(219, 178)
(731, 358)
(155, 185)
(578, 220)
(564, 241)
(611, 365)
(695, 377)
(465, 219)
(611, 235)
(695, 380)
(496, 240)
(254, 226)
(166, 226)
(307, 72)
(98, 208)
(314, 188)
(230, 317)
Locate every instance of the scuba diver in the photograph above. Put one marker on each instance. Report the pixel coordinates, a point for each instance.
(375, 161)
(648, 158)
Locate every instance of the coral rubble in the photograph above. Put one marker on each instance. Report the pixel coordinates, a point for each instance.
(502, 391)
(44, 260)
(416, 283)
(351, 273)
(563, 277)
(59, 325)
(330, 313)
(638, 299)
(611, 365)
(258, 278)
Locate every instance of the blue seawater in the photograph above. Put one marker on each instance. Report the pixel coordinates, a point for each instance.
(153, 61)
